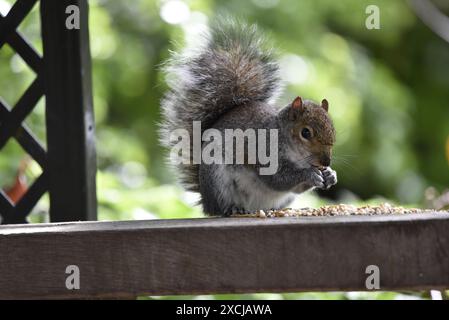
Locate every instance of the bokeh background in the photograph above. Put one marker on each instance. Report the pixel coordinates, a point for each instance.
(388, 91)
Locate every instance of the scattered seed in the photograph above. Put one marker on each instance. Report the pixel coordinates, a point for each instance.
(335, 210)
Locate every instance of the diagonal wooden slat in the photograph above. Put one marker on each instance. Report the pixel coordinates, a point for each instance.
(12, 121)
(26, 139)
(6, 207)
(31, 145)
(18, 12)
(28, 201)
(24, 49)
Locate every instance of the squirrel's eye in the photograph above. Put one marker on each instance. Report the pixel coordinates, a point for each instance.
(306, 134)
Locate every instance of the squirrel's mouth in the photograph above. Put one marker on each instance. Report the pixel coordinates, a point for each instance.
(318, 166)
(321, 162)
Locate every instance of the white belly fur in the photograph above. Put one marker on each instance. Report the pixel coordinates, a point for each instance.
(247, 191)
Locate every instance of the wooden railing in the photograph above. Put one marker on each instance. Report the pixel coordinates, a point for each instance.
(224, 255)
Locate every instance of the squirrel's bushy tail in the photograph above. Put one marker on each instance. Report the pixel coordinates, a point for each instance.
(232, 67)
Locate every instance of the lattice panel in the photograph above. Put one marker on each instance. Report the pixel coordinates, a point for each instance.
(12, 119)
(63, 75)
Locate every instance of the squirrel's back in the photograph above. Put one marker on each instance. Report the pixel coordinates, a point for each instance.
(232, 68)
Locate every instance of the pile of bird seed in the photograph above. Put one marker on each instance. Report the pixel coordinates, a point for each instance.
(334, 210)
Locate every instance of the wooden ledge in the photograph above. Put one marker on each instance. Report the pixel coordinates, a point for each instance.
(224, 255)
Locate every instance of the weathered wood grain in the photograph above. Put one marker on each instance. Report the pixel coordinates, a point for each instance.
(224, 255)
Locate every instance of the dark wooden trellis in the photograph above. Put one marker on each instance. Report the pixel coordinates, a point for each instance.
(63, 76)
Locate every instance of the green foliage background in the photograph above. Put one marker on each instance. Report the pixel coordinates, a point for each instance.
(388, 91)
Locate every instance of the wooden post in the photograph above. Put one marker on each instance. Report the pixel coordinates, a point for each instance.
(66, 76)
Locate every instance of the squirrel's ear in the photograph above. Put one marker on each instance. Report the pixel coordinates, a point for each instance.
(297, 103)
(325, 104)
(295, 108)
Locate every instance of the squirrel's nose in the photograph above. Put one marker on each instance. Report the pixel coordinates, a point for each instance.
(325, 160)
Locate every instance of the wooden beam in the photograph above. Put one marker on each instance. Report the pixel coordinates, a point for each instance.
(69, 112)
(224, 255)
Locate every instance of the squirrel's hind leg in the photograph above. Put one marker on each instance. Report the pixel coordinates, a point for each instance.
(214, 189)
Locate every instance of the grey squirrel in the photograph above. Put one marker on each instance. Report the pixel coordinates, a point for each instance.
(231, 82)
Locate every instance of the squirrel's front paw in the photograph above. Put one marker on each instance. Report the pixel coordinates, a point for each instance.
(316, 178)
(329, 176)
